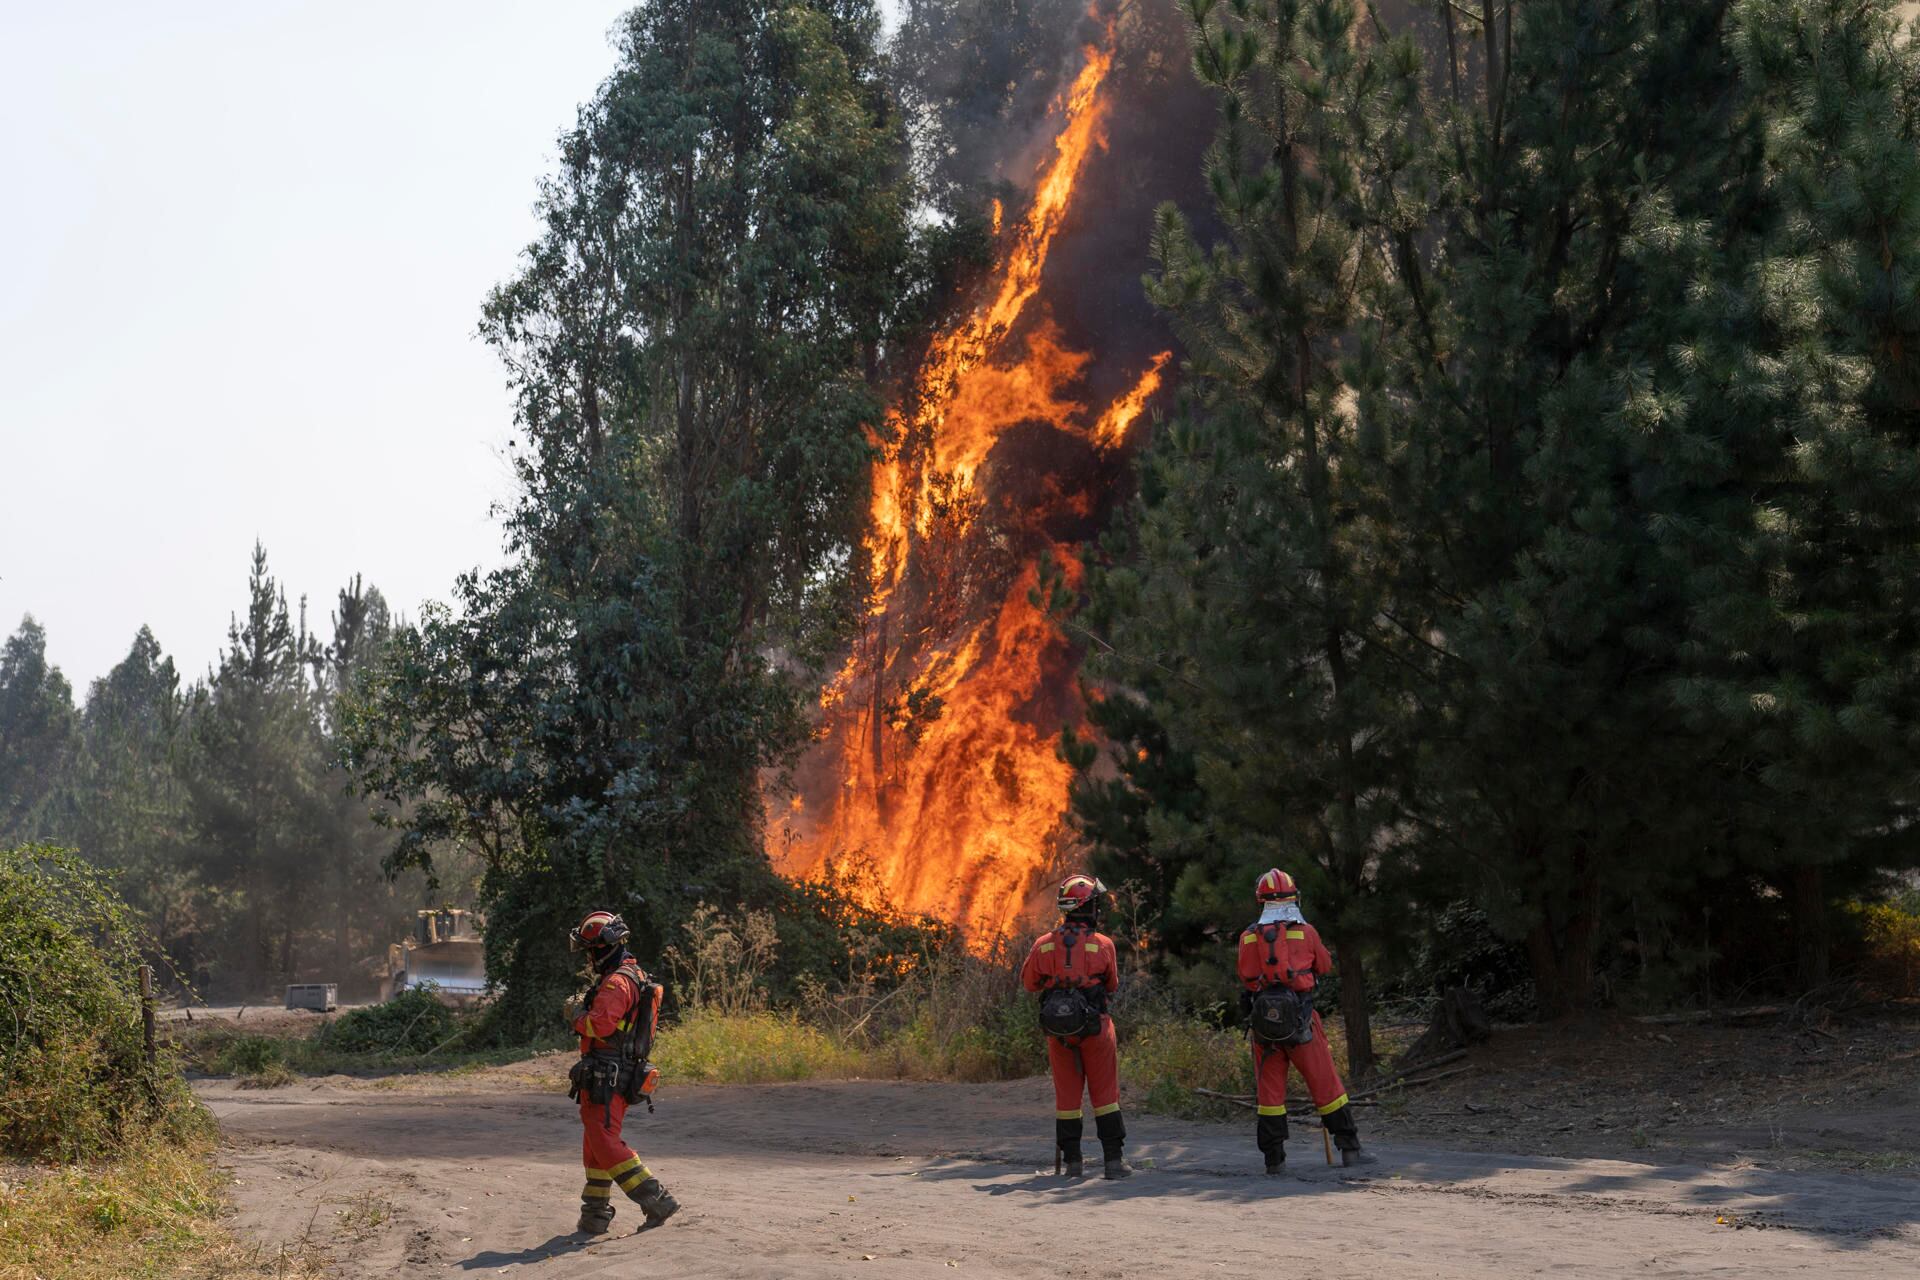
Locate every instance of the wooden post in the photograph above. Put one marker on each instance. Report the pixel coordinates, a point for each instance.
(146, 1013)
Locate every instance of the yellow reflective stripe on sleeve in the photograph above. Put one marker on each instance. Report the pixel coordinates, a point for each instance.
(1245, 938)
(1067, 1115)
(630, 1163)
(1107, 1110)
(1093, 946)
(1333, 1106)
(1046, 946)
(1273, 1111)
(1297, 933)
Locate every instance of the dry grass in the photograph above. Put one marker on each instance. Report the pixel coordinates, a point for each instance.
(155, 1213)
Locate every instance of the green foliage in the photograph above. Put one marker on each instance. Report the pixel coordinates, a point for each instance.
(1165, 1060)
(693, 344)
(414, 1021)
(74, 1082)
(241, 1055)
(36, 735)
(1890, 940)
(1538, 527)
(751, 1048)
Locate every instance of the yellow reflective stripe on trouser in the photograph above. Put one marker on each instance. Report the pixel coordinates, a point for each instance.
(1107, 1110)
(633, 1177)
(1273, 1111)
(599, 1185)
(1067, 1115)
(1333, 1106)
(631, 1162)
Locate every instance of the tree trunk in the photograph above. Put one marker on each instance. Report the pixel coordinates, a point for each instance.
(1812, 940)
(1355, 1010)
(341, 943)
(1562, 962)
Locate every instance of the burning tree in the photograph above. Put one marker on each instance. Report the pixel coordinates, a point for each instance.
(938, 760)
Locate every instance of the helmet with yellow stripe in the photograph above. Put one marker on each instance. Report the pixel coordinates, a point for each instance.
(1081, 895)
(1276, 886)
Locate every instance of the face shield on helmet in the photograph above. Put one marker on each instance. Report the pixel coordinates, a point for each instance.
(599, 932)
(1081, 896)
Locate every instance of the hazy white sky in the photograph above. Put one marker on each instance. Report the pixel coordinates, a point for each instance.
(247, 244)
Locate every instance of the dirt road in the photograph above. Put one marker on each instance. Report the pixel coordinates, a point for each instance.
(456, 1177)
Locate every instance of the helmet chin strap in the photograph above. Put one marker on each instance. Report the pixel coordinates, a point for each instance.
(610, 961)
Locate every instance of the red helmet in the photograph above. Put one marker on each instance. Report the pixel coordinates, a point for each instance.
(599, 929)
(1077, 893)
(1275, 886)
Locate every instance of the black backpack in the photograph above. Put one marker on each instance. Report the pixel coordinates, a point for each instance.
(1282, 1016)
(1066, 1011)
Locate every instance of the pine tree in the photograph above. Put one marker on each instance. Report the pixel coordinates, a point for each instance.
(355, 844)
(127, 796)
(1802, 367)
(251, 789)
(36, 736)
(1252, 610)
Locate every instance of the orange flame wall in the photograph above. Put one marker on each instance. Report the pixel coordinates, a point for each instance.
(936, 763)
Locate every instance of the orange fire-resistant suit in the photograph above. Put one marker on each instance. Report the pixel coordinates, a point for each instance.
(1077, 955)
(615, 1000)
(1290, 954)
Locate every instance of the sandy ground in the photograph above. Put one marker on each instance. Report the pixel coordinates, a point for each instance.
(480, 1175)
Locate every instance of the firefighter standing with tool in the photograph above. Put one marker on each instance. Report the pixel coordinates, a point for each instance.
(1281, 961)
(615, 1021)
(1074, 970)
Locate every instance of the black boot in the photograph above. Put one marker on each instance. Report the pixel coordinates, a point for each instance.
(596, 1216)
(1346, 1136)
(1113, 1139)
(1066, 1136)
(655, 1201)
(1270, 1135)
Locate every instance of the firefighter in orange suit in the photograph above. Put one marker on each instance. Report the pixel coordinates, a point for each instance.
(615, 1021)
(1281, 954)
(1074, 969)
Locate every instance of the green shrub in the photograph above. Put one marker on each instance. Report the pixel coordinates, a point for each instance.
(1890, 943)
(228, 1054)
(413, 1022)
(1163, 1061)
(74, 1080)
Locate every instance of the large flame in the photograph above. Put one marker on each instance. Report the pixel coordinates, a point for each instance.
(937, 763)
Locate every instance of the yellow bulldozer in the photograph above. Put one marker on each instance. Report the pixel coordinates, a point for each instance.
(445, 952)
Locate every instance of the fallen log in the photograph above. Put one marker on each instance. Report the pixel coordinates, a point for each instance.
(1408, 1084)
(1690, 1016)
(1416, 1068)
(1359, 1099)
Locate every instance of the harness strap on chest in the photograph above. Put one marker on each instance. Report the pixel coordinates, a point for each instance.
(1271, 932)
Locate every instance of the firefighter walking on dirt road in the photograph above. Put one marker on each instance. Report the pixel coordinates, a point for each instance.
(615, 1021)
(1074, 969)
(1281, 961)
